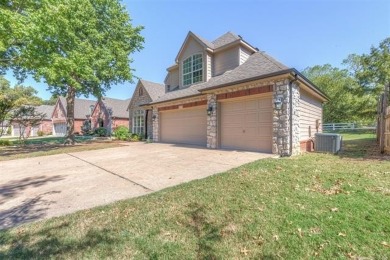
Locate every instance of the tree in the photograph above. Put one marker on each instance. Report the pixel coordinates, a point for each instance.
(78, 47)
(11, 98)
(26, 118)
(372, 70)
(347, 102)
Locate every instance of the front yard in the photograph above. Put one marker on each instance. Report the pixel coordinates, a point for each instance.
(40, 146)
(314, 205)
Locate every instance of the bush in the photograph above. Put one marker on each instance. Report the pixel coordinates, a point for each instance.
(101, 131)
(5, 142)
(136, 137)
(40, 133)
(122, 133)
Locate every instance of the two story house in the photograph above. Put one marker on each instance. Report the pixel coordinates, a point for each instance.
(227, 94)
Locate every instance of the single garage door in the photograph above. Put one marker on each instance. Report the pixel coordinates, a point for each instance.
(246, 124)
(60, 129)
(184, 126)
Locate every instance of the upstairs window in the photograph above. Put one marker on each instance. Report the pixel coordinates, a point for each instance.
(193, 69)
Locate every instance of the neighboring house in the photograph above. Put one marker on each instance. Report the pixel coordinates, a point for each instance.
(4, 127)
(141, 118)
(227, 94)
(45, 126)
(110, 113)
(82, 111)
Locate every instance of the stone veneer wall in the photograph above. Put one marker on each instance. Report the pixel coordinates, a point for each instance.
(212, 122)
(281, 119)
(155, 125)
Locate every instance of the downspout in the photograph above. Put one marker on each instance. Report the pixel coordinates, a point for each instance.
(291, 112)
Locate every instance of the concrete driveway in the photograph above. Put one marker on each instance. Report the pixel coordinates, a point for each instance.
(48, 186)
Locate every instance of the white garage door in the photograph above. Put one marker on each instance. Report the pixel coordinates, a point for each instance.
(60, 129)
(184, 126)
(247, 124)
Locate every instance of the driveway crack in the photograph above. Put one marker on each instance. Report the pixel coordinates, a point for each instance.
(111, 172)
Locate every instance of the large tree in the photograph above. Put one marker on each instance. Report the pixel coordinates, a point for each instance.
(347, 102)
(372, 70)
(12, 98)
(78, 47)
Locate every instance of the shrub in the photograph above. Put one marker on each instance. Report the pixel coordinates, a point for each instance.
(136, 137)
(5, 142)
(40, 133)
(122, 133)
(101, 131)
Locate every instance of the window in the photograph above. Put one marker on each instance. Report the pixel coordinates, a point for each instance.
(140, 91)
(138, 122)
(193, 69)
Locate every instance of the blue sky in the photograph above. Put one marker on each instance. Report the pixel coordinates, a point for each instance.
(297, 33)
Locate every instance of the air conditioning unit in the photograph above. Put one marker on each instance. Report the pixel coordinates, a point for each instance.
(329, 143)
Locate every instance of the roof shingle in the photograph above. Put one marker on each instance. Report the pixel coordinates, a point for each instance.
(155, 90)
(82, 107)
(47, 110)
(118, 106)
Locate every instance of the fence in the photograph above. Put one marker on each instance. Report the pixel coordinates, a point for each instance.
(383, 130)
(345, 126)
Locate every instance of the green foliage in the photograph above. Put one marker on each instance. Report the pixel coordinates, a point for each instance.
(26, 117)
(40, 133)
(75, 46)
(372, 70)
(136, 137)
(5, 142)
(347, 102)
(122, 133)
(101, 131)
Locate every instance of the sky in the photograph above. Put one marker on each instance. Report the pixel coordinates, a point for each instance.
(299, 33)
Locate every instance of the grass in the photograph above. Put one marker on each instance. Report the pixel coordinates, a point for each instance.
(314, 205)
(42, 146)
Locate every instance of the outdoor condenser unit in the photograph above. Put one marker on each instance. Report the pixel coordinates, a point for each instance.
(329, 143)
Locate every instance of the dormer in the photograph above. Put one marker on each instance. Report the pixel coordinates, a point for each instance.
(198, 60)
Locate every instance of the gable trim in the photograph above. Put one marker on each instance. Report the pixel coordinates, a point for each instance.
(190, 34)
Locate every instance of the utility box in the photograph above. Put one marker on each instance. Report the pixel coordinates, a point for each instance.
(328, 143)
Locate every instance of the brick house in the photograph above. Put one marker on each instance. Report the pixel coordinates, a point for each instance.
(227, 94)
(45, 126)
(110, 113)
(82, 111)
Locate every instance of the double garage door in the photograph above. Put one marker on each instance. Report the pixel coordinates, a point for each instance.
(244, 124)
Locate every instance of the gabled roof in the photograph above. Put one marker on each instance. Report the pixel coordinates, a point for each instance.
(82, 107)
(117, 106)
(258, 64)
(45, 109)
(155, 90)
(225, 39)
(201, 41)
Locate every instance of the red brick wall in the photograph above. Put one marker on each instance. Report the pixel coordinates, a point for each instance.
(120, 121)
(102, 112)
(46, 127)
(307, 146)
(78, 123)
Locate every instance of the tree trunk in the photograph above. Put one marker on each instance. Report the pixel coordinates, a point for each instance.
(70, 97)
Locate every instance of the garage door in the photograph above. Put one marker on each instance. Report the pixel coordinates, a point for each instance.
(184, 126)
(247, 124)
(60, 129)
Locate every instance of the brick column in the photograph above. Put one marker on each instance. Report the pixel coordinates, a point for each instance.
(212, 128)
(155, 124)
(281, 119)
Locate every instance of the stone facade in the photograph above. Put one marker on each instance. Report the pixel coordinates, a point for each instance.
(212, 125)
(140, 98)
(155, 125)
(281, 119)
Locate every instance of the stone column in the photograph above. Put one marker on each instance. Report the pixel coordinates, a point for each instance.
(212, 127)
(281, 119)
(155, 125)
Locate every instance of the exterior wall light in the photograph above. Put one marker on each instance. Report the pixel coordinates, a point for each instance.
(154, 117)
(278, 103)
(209, 110)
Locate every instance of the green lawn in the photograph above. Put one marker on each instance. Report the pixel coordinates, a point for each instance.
(314, 205)
(48, 140)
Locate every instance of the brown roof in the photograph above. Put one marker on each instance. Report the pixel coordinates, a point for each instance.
(45, 109)
(117, 106)
(258, 64)
(155, 90)
(82, 107)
